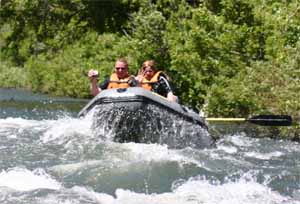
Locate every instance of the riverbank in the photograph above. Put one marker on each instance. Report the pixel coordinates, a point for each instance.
(23, 101)
(229, 61)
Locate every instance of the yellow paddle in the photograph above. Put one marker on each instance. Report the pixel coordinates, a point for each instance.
(266, 120)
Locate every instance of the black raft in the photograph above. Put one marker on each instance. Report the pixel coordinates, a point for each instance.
(138, 115)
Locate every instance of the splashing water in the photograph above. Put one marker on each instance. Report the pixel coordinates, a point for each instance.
(62, 160)
(148, 125)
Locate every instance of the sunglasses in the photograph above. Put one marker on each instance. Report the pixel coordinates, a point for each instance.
(120, 68)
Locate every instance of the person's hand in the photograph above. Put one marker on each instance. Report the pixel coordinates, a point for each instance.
(140, 76)
(132, 81)
(93, 74)
(172, 97)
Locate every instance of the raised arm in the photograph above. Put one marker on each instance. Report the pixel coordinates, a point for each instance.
(93, 77)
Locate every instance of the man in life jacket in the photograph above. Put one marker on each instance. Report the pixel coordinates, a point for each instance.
(120, 78)
(156, 81)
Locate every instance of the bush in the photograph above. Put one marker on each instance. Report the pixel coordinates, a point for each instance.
(12, 76)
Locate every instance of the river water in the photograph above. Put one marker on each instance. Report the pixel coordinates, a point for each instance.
(48, 155)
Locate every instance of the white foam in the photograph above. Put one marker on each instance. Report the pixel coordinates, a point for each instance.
(264, 156)
(241, 140)
(201, 191)
(18, 123)
(98, 197)
(53, 129)
(156, 152)
(194, 191)
(74, 167)
(228, 149)
(127, 154)
(65, 127)
(238, 192)
(245, 190)
(77, 195)
(24, 180)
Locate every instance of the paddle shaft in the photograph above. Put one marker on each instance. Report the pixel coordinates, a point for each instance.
(226, 119)
(266, 120)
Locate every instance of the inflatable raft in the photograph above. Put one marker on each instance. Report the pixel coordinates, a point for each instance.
(138, 115)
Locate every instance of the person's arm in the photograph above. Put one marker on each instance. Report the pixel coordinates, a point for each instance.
(94, 87)
(93, 77)
(166, 85)
(139, 77)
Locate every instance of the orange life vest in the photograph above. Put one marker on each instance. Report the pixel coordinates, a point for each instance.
(147, 84)
(115, 82)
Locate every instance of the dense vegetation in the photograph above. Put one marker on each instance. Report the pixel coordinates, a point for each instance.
(228, 57)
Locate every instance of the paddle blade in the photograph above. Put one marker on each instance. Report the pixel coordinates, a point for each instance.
(271, 120)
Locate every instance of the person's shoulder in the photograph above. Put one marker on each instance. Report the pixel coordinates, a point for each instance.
(105, 82)
(162, 75)
(106, 78)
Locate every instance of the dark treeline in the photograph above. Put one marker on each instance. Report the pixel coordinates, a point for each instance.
(228, 57)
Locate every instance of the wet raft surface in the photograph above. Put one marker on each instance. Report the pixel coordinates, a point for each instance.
(137, 115)
(148, 124)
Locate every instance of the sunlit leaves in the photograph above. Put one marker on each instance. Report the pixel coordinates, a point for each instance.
(233, 57)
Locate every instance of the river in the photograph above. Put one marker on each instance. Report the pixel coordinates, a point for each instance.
(48, 155)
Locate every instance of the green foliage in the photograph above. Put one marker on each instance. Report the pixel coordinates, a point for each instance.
(239, 12)
(49, 26)
(231, 98)
(229, 57)
(147, 35)
(65, 73)
(279, 91)
(266, 87)
(203, 49)
(12, 76)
